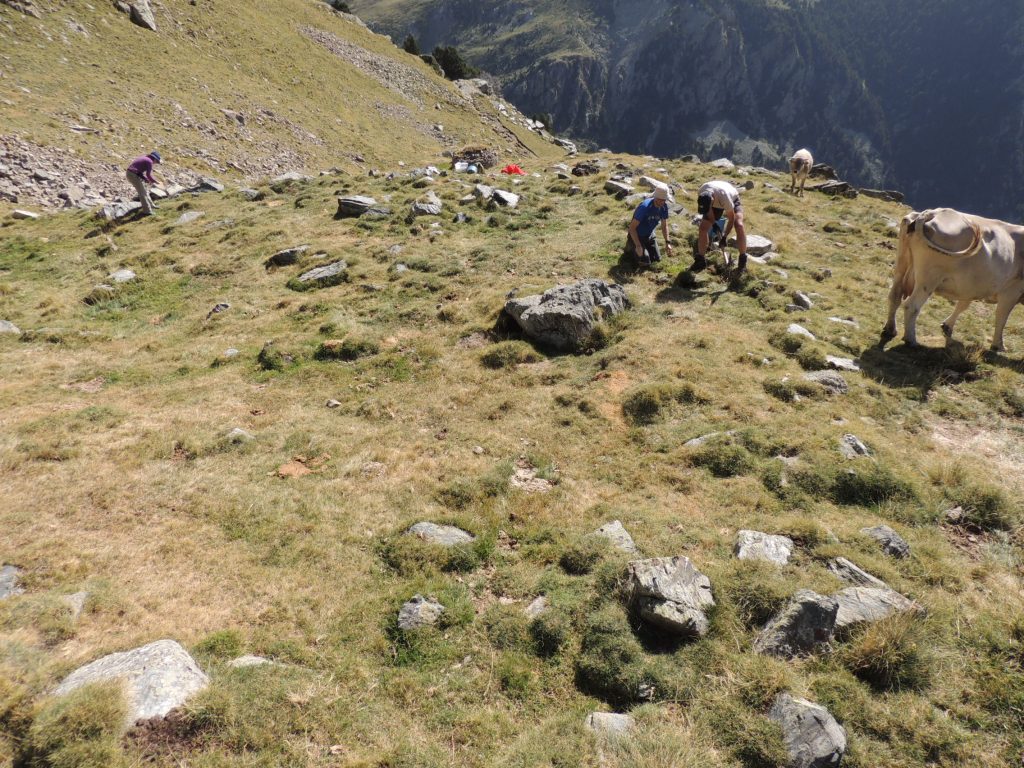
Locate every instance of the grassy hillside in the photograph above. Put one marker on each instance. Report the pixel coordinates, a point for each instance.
(314, 89)
(119, 479)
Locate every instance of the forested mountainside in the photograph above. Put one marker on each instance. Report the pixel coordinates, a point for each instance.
(924, 96)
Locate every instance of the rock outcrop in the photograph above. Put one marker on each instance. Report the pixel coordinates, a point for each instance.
(671, 594)
(564, 317)
(805, 624)
(812, 736)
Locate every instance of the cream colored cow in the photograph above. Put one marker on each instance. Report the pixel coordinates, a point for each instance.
(799, 166)
(961, 257)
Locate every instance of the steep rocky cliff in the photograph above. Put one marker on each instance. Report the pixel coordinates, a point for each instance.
(881, 95)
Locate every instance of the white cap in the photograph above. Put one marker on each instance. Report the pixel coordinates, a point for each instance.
(660, 192)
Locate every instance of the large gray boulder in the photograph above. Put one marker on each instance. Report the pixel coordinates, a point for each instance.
(853, 575)
(354, 206)
(812, 736)
(754, 545)
(157, 678)
(565, 316)
(892, 543)
(808, 621)
(505, 199)
(142, 15)
(9, 582)
(865, 605)
(617, 535)
(670, 593)
(444, 535)
(418, 613)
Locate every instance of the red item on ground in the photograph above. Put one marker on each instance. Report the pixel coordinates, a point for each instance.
(513, 169)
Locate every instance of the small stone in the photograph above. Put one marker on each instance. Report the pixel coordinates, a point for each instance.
(799, 330)
(418, 613)
(505, 199)
(866, 605)
(954, 516)
(618, 187)
(536, 607)
(252, 195)
(617, 535)
(444, 535)
(122, 276)
(610, 724)
(332, 403)
(802, 300)
(20, 214)
(671, 594)
(697, 442)
(327, 275)
(754, 545)
(188, 217)
(852, 447)
(892, 543)
(478, 450)
(99, 294)
(231, 352)
(9, 582)
(830, 381)
(6, 326)
(244, 662)
(287, 257)
(722, 162)
(758, 246)
(76, 603)
(844, 321)
(238, 436)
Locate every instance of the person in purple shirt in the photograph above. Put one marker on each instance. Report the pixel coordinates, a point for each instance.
(139, 173)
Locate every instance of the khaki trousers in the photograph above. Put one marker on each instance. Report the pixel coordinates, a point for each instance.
(143, 191)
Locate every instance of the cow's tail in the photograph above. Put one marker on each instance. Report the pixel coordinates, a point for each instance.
(903, 272)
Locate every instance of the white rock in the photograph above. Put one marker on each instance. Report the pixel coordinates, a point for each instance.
(19, 214)
(798, 330)
(157, 677)
(6, 326)
(754, 545)
(122, 276)
(610, 724)
(617, 535)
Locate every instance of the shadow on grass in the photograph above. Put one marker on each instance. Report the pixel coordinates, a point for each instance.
(922, 368)
(627, 269)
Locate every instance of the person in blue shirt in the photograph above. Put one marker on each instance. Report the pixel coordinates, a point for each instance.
(641, 241)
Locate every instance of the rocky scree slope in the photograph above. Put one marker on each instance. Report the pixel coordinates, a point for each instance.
(234, 91)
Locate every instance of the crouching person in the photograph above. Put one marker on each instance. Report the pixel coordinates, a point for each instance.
(641, 242)
(139, 174)
(715, 199)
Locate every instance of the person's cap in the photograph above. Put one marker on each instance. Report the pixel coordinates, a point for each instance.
(155, 155)
(660, 192)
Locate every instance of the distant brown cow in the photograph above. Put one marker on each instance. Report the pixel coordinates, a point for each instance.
(961, 257)
(799, 166)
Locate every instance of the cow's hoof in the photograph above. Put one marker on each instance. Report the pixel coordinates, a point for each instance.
(947, 331)
(888, 334)
(994, 348)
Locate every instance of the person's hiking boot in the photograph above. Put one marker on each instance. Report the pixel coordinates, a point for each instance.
(742, 264)
(699, 264)
(643, 261)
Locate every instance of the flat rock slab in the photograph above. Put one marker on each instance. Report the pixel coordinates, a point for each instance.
(812, 736)
(670, 593)
(142, 15)
(116, 211)
(243, 662)
(505, 199)
(802, 300)
(842, 363)
(722, 162)
(864, 605)
(758, 246)
(444, 535)
(158, 678)
(536, 607)
(6, 326)
(618, 187)
(281, 183)
(122, 276)
(329, 274)
(610, 724)
(418, 613)
(617, 535)
(697, 442)
(806, 623)
(892, 543)
(19, 214)
(851, 574)
(9, 582)
(754, 545)
(354, 206)
(188, 217)
(830, 381)
(206, 184)
(564, 317)
(287, 257)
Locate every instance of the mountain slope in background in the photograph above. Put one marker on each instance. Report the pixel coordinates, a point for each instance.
(232, 90)
(927, 99)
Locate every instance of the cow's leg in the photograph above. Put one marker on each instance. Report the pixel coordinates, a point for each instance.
(895, 296)
(950, 322)
(911, 309)
(792, 183)
(1007, 301)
